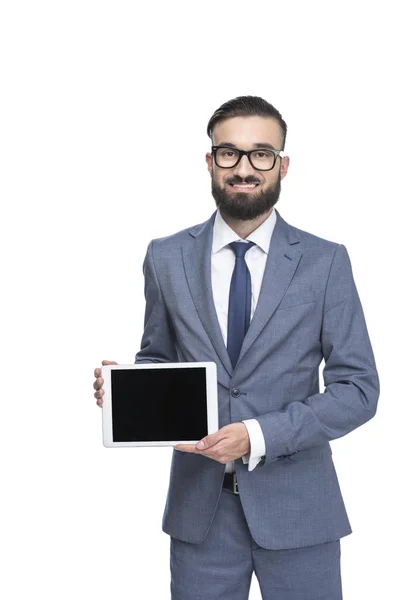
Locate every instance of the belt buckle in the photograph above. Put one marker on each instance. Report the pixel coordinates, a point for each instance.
(235, 484)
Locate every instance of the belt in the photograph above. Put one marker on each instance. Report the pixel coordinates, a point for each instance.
(230, 483)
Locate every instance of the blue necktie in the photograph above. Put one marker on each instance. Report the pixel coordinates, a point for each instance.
(239, 301)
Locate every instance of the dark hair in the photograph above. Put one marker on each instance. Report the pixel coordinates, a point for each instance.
(246, 106)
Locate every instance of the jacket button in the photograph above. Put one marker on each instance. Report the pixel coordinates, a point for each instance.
(235, 392)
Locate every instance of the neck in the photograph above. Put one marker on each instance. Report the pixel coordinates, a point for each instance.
(245, 228)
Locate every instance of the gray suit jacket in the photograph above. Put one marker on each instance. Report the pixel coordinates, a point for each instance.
(308, 310)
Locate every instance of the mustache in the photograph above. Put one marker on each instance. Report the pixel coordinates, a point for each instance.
(233, 180)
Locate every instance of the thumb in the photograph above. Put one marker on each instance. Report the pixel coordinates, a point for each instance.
(208, 441)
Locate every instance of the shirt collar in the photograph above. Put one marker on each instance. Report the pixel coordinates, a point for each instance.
(224, 235)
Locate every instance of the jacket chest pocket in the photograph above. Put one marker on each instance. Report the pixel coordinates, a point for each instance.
(296, 298)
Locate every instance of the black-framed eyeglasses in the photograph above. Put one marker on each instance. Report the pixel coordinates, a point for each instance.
(261, 159)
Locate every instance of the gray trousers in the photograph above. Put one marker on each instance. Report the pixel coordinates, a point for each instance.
(221, 566)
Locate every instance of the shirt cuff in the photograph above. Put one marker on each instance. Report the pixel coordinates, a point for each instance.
(257, 443)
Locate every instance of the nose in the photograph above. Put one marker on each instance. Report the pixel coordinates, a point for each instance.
(243, 169)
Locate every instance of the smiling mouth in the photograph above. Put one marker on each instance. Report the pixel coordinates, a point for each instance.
(244, 186)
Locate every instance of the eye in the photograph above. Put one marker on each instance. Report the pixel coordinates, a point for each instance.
(263, 154)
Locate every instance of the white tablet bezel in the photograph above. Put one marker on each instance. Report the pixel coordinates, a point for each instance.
(211, 394)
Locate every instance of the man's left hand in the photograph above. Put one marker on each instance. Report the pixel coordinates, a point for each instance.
(226, 444)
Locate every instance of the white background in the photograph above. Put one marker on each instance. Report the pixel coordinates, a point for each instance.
(104, 107)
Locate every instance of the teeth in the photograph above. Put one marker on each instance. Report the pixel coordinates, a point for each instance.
(248, 185)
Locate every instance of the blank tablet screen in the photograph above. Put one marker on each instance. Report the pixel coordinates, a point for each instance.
(151, 405)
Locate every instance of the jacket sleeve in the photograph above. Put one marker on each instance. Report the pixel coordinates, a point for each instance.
(350, 376)
(158, 342)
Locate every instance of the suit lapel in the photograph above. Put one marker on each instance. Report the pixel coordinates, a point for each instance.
(197, 264)
(283, 258)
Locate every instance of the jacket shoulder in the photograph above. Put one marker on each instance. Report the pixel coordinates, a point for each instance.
(174, 241)
(312, 240)
(315, 248)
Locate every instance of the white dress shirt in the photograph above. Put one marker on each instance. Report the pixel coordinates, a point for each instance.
(222, 265)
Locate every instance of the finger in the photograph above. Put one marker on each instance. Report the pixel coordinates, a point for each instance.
(211, 440)
(97, 371)
(98, 384)
(186, 448)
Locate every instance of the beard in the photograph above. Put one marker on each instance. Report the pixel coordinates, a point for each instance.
(245, 206)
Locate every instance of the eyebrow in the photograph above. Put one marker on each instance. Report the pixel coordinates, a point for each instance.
(263, 145)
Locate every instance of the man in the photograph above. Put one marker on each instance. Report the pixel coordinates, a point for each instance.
(266, 302)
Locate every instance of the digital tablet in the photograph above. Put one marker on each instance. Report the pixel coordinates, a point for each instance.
(159, 404)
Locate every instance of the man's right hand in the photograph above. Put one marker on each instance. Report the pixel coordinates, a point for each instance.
(98, 384)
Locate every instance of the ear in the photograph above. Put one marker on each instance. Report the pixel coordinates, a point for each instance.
(209, 161)
(284, 166)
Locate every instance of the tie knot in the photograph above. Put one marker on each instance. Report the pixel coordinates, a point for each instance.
(240, 248)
